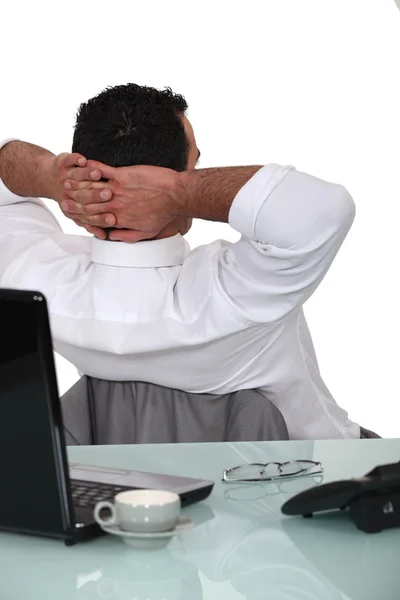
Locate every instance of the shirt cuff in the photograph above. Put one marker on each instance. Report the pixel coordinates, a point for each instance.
(252, 197)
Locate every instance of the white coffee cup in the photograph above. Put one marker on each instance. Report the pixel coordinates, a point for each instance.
(141, 511)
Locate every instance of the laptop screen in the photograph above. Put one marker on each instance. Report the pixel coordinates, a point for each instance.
(32, 494)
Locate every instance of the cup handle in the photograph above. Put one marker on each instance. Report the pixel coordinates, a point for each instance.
(105, 522)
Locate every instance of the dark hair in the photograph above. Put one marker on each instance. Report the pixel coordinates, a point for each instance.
(130, 125)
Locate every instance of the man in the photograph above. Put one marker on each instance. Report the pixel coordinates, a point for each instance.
(220, 318)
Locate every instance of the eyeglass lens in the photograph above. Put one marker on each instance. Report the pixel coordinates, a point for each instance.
(271, 470)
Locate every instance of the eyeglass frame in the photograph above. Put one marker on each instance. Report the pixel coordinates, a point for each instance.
(280, 465)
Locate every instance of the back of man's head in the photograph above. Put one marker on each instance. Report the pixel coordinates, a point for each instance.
(131, 125)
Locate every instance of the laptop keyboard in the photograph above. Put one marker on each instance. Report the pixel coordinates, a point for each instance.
(88, 493)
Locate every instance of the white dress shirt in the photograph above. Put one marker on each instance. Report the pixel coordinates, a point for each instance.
(216, 319)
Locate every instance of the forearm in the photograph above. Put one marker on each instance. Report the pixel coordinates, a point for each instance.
(208, 193)
(26, 170)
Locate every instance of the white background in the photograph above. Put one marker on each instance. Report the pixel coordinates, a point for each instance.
(312, 83)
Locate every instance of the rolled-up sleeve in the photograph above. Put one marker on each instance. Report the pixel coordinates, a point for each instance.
(292, 227)
(35, 254)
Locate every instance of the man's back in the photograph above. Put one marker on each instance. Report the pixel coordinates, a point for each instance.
(218, 319)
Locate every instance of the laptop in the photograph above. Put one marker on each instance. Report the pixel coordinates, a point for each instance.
(42, 494)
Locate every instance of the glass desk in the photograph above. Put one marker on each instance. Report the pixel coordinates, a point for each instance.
(242, 546)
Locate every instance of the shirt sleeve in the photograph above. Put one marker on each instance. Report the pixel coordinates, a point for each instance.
(35, 254)
(292, 227)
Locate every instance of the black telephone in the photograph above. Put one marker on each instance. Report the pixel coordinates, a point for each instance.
(373, 501)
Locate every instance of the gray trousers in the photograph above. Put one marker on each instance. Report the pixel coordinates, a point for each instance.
(98, 412)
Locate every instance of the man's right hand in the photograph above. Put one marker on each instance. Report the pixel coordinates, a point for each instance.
(66, 166)
(144, 199)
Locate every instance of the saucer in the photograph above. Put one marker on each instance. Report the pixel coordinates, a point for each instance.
(148, 541)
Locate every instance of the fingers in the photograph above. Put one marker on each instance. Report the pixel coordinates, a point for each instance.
(80, 169)
(72, 184)
(87, 173)
(72, 160)
(85, 198)
(97, 231)
(93, 171)
(76, 208)
(106, 171)
(104, 220)
(129, 236)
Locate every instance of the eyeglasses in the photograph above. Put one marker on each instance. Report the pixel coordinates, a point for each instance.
(272, 470)
(253, 491)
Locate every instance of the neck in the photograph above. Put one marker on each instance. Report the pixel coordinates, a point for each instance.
(178, 225)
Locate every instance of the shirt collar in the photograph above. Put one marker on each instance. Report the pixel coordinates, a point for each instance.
(168, 252)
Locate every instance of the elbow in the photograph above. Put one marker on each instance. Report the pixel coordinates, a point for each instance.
(343, 209)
